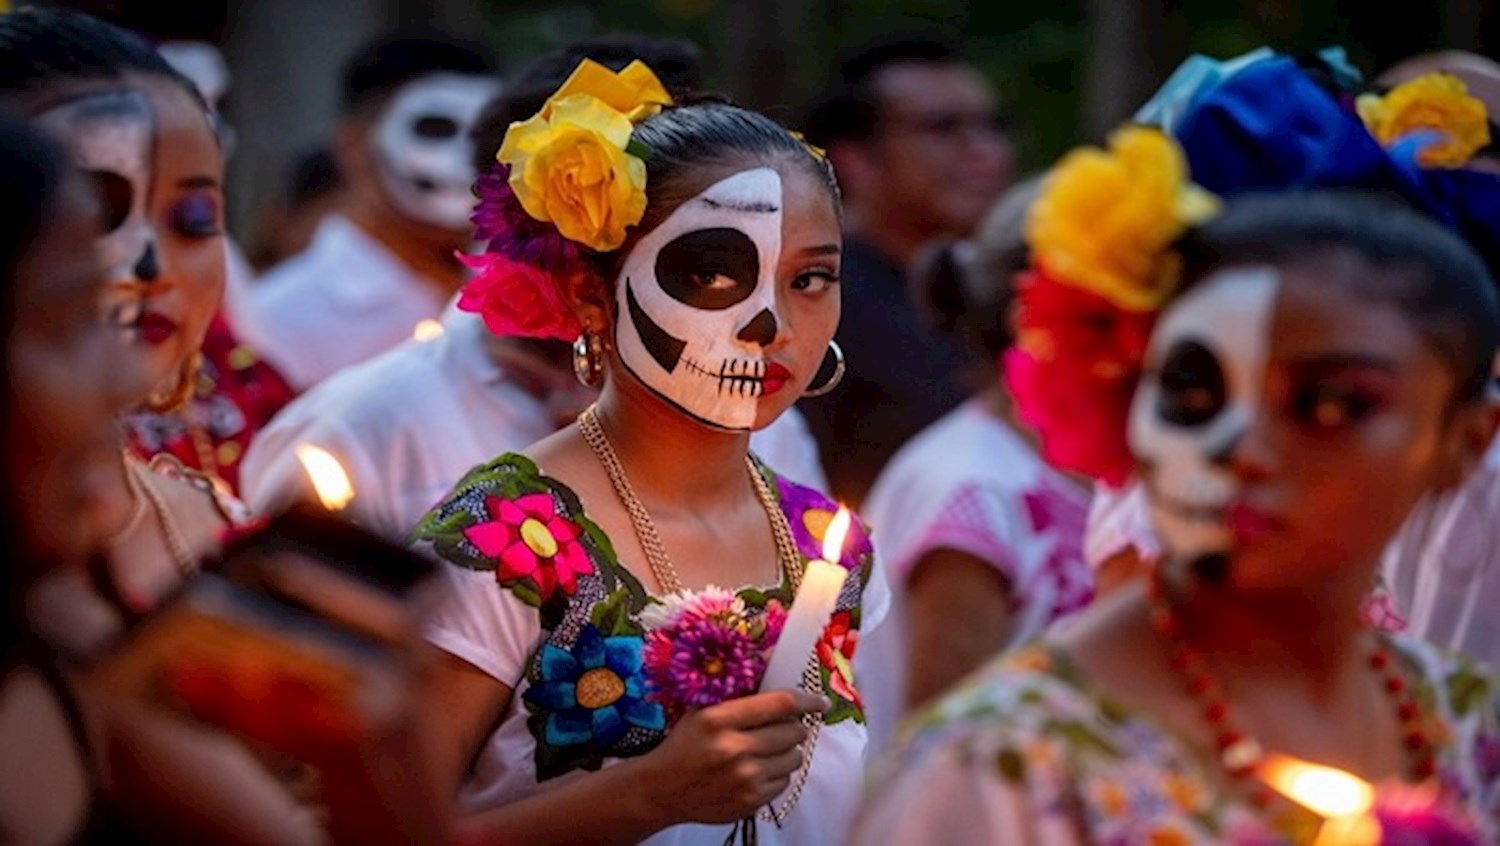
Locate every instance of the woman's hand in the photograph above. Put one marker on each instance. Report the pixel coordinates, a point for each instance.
(721, 764)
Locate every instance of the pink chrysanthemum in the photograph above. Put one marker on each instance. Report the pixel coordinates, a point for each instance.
(700, 663)
(499, 219)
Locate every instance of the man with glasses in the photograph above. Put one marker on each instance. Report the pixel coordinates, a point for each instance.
(916, 137)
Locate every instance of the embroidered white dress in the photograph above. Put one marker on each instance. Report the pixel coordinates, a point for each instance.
(558, 622)
(971, 484)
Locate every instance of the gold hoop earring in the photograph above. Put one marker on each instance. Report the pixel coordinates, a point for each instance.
(838, 372)
(168, 402)
(588, 359)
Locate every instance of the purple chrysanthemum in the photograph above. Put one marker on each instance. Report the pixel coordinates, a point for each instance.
(700, 663)
(500, 219)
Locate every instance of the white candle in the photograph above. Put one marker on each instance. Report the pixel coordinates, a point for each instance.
(1341, 799)
(811, 610)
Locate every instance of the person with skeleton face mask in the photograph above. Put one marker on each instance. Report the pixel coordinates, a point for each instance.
(408, 424)
(703, 317)
(372, 273)
(1321, 366)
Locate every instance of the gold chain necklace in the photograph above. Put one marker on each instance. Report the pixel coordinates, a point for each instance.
(181, 556)
(667, 580)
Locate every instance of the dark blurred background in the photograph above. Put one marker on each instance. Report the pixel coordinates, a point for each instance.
(1066, 69)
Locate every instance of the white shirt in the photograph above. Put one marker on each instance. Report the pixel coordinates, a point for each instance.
(970, 483)
(1443, 568)
(407, 425)
(341, 301)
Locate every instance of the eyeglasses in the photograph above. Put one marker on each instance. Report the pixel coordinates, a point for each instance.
(949, 126)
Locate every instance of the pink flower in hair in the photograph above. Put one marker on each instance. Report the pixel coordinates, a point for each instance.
(517, 299)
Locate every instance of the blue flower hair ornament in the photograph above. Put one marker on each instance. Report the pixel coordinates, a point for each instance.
(1271, 126)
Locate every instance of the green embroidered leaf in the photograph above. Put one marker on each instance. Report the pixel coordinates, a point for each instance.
(1012, 766)
(1467, 690)
(1081, 736)
(612, 616)
(526, 591)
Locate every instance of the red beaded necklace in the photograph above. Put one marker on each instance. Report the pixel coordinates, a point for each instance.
(1238, 752)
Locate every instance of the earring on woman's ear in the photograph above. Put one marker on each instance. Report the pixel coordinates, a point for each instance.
(838, 372)
(588, 358)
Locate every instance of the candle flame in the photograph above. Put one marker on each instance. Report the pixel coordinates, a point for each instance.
(328, 478)
(1325, 791)
(427, 330)
(833, 539)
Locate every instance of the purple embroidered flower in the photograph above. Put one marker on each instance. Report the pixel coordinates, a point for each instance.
(701, 662)
(500, 220)
(809, 514)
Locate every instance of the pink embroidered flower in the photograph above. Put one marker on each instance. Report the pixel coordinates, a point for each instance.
(532, 541)
(836, 654)
(517, 299)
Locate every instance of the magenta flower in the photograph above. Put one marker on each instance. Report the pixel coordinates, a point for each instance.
(516, 299)
(531, 540)
(809, 514)
(701, 662)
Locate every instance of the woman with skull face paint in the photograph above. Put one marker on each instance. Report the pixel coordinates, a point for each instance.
(705, 301)
(145, 130)
(145, 136)
(1321, 368)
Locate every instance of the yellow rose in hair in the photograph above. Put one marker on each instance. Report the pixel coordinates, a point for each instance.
(1105, 220)
(568, 166)
(634, 92)
(1437, 102)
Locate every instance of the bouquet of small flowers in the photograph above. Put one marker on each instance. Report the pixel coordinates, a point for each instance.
(707, 647)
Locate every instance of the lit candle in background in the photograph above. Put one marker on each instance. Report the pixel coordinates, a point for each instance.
(328, 478)
(1341, 799)
(427, 330)
(811, 610)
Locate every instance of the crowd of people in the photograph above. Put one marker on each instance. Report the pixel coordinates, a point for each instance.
(1173, 467)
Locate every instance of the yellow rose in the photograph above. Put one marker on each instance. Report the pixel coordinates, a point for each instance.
(1105, 219)
(568, 166)
(634, 92)
(1437, 102)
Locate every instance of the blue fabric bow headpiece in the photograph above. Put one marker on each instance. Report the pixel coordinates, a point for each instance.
(1270, 126)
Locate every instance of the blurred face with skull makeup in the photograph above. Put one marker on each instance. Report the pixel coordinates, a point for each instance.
(1287, 425)
(155, 160)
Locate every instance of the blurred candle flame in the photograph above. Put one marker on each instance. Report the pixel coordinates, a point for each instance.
(1342, 799)
(328, 478)
(833, 539)
(427, 330)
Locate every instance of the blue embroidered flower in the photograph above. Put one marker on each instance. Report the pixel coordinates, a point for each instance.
(594, 693)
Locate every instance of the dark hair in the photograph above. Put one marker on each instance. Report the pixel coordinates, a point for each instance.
(39, 46)
(1430, 274)
(32, 170)
(677, 63)
(313, 174)
(385, 64)
(687, 139)
(850, 109)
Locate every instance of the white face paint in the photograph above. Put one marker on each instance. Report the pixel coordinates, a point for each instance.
(423, 150)
(110, 138)
(1200, 395)
(697, 300)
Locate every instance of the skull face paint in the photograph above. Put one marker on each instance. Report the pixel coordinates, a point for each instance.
(422, 147)
(697, 300)
(110, 137)
(1199, 397)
